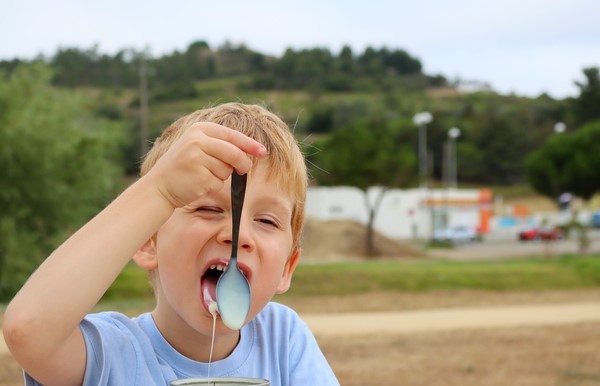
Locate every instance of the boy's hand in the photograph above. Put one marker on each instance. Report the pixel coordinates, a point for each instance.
(201, 160)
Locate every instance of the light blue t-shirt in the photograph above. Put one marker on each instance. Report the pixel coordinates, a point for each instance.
(276, 345)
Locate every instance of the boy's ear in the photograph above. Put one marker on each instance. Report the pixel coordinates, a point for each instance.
(145, 257)
(288, 271)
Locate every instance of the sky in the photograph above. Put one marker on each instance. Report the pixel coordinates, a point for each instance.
(525, 47)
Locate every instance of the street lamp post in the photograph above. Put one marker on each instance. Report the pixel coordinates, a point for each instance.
(560, 127)
(453, 133)
(421, 120)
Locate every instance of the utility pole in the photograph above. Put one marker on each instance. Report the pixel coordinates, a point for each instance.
(421, 120)
(453, 133)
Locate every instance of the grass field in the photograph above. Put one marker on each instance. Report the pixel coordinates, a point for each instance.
(348, 279)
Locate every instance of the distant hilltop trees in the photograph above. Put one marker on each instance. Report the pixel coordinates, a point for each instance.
(295, 69)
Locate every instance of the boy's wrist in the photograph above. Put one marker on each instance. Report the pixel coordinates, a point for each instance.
(151, 196)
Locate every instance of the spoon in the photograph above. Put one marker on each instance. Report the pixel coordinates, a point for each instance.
(233, 290)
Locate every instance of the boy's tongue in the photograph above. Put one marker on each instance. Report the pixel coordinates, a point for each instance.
(209, 291)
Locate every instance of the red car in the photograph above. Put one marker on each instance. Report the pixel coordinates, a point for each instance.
(540, 234)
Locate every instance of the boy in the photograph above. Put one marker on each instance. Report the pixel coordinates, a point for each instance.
(176, 223)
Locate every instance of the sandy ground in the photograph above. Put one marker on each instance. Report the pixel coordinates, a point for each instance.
(489, 339)
(565, 355)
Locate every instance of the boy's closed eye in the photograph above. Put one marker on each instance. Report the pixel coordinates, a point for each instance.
(209, 210)
(268, 221)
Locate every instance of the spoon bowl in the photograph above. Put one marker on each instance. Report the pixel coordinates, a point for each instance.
(233, 290)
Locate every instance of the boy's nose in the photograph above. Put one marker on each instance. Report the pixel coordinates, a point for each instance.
(245, 240)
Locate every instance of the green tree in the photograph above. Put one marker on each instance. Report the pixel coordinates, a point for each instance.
(366, 154)
(545, 168)
(74, 67)
(401, 62)
(582, 168)
(321, 120)
(567, 163)
(370, 63)
(586, 106)
(504, 140)
(57, 168)
(345, 61)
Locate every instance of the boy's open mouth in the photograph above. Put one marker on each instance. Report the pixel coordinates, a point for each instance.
(208, 282)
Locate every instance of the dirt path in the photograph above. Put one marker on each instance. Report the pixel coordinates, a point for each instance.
(355, 323)
(349, 324)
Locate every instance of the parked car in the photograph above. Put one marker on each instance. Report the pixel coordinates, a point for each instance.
(456, 234)
(551, 234)
(536, 233)
(529, 234)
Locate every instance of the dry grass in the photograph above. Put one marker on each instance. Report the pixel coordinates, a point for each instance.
(566, 355)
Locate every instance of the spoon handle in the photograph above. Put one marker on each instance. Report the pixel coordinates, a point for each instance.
(238, 191)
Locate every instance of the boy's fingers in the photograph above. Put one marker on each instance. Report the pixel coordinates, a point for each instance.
(243, 142)
(221, 157)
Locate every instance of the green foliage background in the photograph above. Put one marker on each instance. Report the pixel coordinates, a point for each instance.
(568, 164)
(58, 165)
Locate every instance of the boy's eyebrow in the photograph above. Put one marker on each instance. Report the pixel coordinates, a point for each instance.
(276, 201)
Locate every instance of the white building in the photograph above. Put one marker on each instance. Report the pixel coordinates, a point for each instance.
(403, 214)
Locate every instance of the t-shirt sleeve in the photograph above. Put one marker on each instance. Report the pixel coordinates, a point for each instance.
(294, 347)
(118, 352)
(308, 365)
(109, 348)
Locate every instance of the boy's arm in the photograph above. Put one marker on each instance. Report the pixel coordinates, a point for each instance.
(49, 308)
(41, 324)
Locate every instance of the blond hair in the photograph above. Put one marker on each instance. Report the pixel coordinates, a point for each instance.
(284, 160)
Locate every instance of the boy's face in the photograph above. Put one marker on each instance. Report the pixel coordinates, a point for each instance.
(198, 237)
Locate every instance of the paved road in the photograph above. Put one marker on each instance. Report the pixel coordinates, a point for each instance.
(506, 246)
(347, 324)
